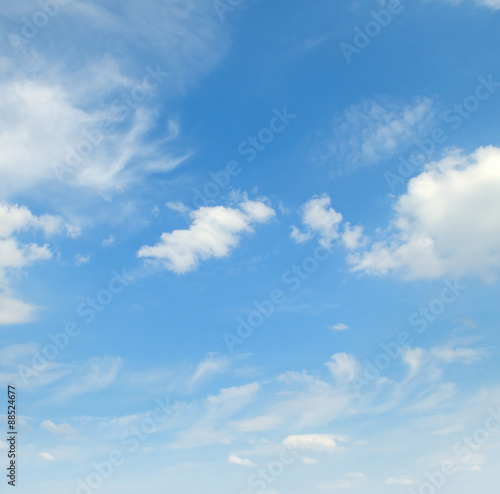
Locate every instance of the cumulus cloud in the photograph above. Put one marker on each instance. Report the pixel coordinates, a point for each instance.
(446, 224)
(319, 219)
(214, 232)
(343, 366)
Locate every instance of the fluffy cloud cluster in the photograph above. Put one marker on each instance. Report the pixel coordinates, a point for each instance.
(213, 233)
(446, 224)
(321, 220)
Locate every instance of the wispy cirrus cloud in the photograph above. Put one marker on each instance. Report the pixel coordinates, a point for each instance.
(372, 131)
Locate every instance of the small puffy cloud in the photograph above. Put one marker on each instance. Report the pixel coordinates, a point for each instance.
(320, 219)
(243, 462)
(214, 232)
(64, 430)
(46, 456)
(315, 442)
(374, 131)
(401, 481)
(339, 327)
(445, 224)
(343, 366)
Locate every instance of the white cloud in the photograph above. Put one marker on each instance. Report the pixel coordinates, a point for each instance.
(213, 364)
(258, 424)
(243, 462)
(343, 366)
(319, 219)
(309, 461)
(64, 430)
(445, 224)
(214, 232)
(82, 259)
(108, 241)
(46, 456)
(452, 355)
(210, 426)
(414, 358)
(356, 475)
(14, 255)
(448, 430)
(373, 131)
(310, 402)
(492, 4)
(333, 485)
(96, 375)
(315, 442)
(401, 481)
(339, 327)
(13, 311)
(51, 104)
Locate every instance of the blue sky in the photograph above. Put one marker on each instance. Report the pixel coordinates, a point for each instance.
(251, 247)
